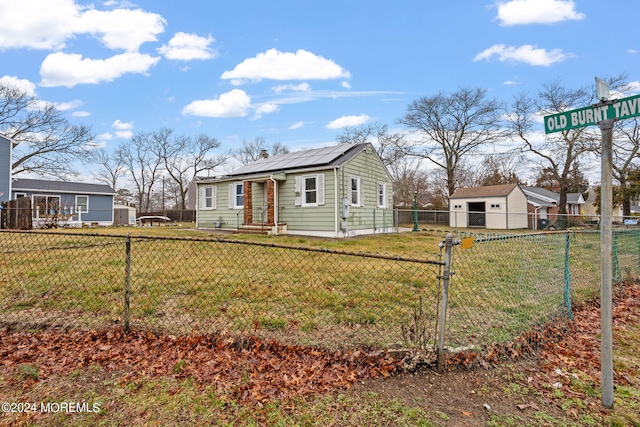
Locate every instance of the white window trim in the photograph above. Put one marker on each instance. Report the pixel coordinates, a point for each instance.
(78, 205)
(385, 202)
(203, 197)
(357, 191)
(300, 193)
(233, 195)
(20, 195)
(304, 190)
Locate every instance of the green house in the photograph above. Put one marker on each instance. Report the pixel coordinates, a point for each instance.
(336, 191)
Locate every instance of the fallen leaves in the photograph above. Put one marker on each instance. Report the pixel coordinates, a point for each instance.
(242, 368)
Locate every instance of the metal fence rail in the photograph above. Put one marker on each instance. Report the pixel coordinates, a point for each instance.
(498, 289)
(296, 295)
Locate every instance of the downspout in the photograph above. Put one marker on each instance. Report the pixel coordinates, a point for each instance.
(275, 203)
(337, 201)
(507, 212)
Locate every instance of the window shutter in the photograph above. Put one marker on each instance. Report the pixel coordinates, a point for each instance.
(361, 189)
(232, 194)
(214, 197)
(200, 196)
(320, 189)
(298, 191)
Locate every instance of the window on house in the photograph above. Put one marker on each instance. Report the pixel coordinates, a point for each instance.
(82, 204)
(208, 197)
(45, 206)
(20, 195)
(354, 190)
(238, 195)
(382, 195)
(310, 190)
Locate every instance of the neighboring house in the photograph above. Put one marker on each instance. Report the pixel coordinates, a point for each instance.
(509, 207)
(68, 203)
(501, 207)
(336, 191)
(192, 191)
(6, 146)
(543, 205)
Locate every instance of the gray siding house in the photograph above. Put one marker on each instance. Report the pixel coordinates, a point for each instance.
(336, 191)
(72, 203)
(6, 146)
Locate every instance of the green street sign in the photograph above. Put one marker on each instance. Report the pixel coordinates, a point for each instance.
(619, 109)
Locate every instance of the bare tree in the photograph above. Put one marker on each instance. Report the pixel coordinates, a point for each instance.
(558, 153)
(47, 143)
(143, 164)
(406, 174)
(111, 167)
(388, 144)
(626, 148)
(499, 169)
(453, 127)
(184, 158)
(250, 151)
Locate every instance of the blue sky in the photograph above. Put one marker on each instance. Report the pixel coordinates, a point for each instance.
(297, 71)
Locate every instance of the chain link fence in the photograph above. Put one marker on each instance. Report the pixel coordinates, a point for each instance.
(296, 295)
(500, 287)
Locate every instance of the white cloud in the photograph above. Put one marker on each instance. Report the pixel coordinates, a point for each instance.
(523, 12)
(62, 69)
(511, 82)
(21, 84)
(123, 129)
(525, 53)
(48, 24)
(235, 103)
(633, 88)
(64, 106)
(105, 136)
(265, 109)
(121, 28)
(37, 24)
(275, 65)
(80, 114)
(346, 121)
(632, 51)
(185, 47)
(296, 125)
(120, 125)
(345, 85)
(302, 87)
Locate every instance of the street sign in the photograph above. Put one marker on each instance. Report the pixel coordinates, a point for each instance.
(617, 109)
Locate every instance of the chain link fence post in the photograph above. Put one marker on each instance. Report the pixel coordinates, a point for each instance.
(617, 275)
(127, 284)
(567, 275)
(443, 309)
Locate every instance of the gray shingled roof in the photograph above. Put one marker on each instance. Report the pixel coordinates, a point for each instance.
(573, 198)
(32, 185)
(327, 156)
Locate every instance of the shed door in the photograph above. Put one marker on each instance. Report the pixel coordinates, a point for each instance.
(476, 212)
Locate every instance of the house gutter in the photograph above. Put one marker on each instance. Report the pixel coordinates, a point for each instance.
(335, 206)
(275, 203)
